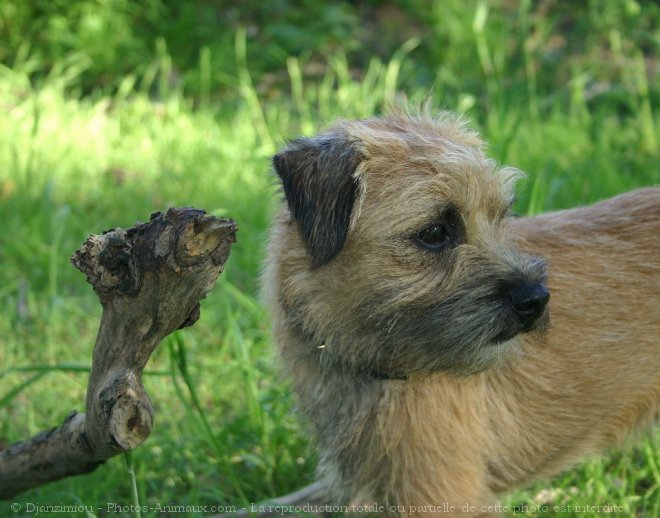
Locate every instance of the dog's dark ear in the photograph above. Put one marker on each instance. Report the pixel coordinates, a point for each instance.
(317, 179)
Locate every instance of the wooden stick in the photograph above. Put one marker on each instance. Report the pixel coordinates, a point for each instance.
(149, 280)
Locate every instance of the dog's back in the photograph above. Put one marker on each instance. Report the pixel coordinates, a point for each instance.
(595, 373)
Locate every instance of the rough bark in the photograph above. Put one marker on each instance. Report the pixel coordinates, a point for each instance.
(149, 280)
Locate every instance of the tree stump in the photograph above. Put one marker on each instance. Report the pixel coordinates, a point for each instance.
(150, 280)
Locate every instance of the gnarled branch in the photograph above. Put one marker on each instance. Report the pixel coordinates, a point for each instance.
(150, 280)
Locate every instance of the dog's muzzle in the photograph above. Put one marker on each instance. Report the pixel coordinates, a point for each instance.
(528, 302)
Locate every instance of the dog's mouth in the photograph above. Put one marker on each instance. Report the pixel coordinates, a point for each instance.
(508, 334)
(504, 336)
(519, 327)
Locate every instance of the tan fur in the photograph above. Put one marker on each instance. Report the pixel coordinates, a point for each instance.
(539, 402)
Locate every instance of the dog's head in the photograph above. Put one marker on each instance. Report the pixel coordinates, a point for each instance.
(394, 254)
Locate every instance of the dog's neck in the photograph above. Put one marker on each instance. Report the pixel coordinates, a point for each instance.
(327, 359)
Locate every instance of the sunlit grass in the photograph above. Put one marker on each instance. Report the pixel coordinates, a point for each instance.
(226, 431)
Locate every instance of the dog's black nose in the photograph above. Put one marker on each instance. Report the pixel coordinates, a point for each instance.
(528, 301)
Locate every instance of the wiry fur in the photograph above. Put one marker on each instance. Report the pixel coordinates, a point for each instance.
(392, 348)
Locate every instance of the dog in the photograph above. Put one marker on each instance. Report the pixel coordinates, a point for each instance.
(443, 350)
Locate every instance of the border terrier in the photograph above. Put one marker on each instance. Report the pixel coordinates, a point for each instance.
(444, 351)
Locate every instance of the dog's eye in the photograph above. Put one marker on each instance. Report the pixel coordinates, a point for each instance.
(434, 237)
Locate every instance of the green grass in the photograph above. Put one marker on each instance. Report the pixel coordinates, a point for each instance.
(75, 160)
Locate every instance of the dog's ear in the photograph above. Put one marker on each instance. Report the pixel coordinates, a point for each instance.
(320, 190)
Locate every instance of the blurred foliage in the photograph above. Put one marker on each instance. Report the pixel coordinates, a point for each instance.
(109, 39)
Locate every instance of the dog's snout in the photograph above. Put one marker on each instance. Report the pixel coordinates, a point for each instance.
(528, 301)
